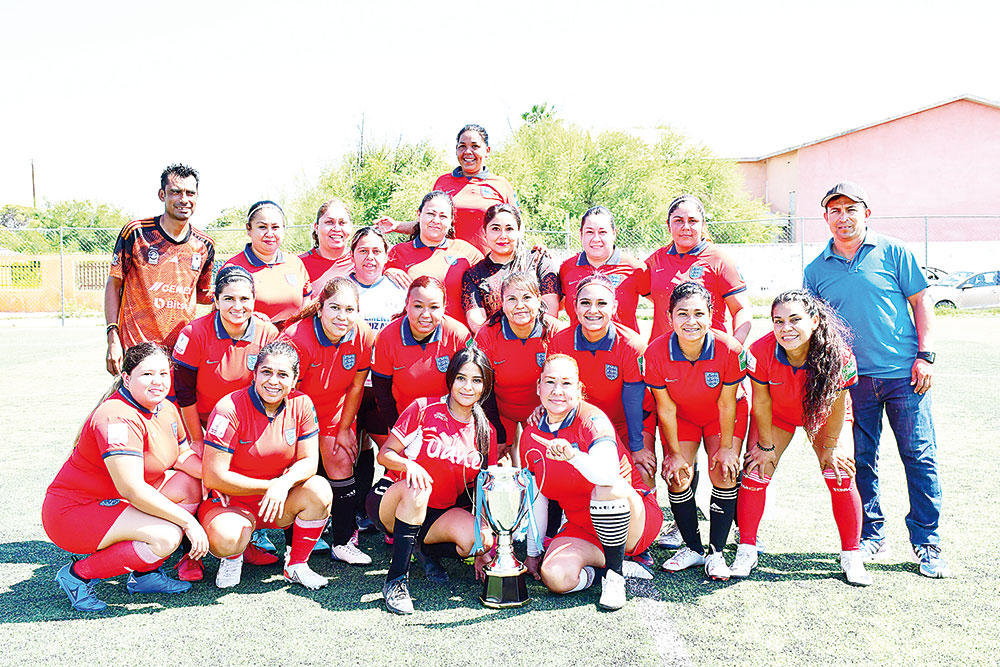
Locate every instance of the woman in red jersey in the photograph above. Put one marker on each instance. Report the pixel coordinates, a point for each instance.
(598, 236)
(435, 450)
(578, 461)
(335, 351)
(330, 256)
(694, 373)
(261, 456)
(508, 254)
(128, 491)
(801, 372)
(280, 280)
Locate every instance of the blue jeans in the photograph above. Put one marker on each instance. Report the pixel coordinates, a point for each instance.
(910, 419)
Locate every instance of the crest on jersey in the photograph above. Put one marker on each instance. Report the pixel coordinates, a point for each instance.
(486, 191)
(540, 358)
(347, 361)
(110, 502)
(451, 259)
(196, 261)
(696, 272)
(616, 280)
(611, 371)
(441, 363)
(153, 256)
(712, 379)
(251, 361)
(173, 425)
(290, 436)
(291, 279)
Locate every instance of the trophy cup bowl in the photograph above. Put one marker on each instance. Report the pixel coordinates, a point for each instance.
(505, 506)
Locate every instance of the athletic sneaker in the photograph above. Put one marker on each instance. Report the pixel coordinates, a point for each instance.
(254, 555)
(397, 596)
(635, 570)
(155, 582)
(364, 524)
(230, 570)
(932, 563)
(432, 567)
(645, 559)
(853, 565)
(716, 568)
(612, 591)
(349, 553)
(683, 559)
(874, 550)
(260, 539)
(745, 561)
(189, 569)
(354, 538)
(670, 538)
(760, 542)
(80, 591)
(321, 545)
(301, 573)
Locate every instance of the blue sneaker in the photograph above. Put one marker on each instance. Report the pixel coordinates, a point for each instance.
(156, 582)
(80, 591)
(365, 524)
(932, 563)
(874, 550)
(260, 540)
(321, 545)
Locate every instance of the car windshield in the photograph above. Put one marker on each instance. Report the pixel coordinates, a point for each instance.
(954, 278)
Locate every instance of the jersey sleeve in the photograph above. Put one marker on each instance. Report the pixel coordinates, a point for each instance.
(204, 285)
(409, 421)
(911, 279)
(307, 288)
(188, 349)
(121, 259)
(307, 423)
(118, 436)
(757, 367)
(381, 354)
(596, 427)
(730, 280)
(484, 341)
(223, 426)
(471, 298)
(655, 376)
(631, 358)
(394, 259)
(735, 368)
(367, 348)
(548, 275)
(849, 372)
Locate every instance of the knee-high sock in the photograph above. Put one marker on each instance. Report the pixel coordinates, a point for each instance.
(611, 519)
(305, 533)
(344, 505)
(846, 509)
(404, 538)
(364, 475)
(750, 505)
(686, 518)
(119, 558)
(721, 513)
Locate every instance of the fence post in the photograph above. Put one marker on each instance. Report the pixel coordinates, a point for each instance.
(62, 279)
(566, 226)
(927, 258)
(802, 245)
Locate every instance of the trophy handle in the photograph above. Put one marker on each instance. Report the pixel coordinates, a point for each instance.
(528, 480)
(477, 545)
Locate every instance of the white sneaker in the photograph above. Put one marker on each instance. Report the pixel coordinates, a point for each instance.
(230, 570)
(612, 591)
(670, 538)
(853, 565)
(716, 568)
(760, 543)
(633, 570)
(745, 561)
(350, 553)
(684, 559)
(300, 573)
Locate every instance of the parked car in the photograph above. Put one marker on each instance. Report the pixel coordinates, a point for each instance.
(933, 274)
(951, 279)
(980, 290)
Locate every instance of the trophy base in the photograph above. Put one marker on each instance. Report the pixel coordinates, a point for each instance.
(502, 592)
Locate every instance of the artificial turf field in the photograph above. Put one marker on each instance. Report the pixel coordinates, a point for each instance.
(795, 609)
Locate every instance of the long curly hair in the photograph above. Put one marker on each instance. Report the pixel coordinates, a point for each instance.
(829, 352)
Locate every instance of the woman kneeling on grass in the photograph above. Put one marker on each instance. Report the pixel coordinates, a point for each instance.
(800, 373)
(261, 457)
(127, 492)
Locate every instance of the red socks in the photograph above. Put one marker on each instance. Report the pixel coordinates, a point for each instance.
(305, 534)
(119, 558)
(846, 509)
(750, 505)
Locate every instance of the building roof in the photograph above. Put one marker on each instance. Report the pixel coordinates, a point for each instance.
(969, 98)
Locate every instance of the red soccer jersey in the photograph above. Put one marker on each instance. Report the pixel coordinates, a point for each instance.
(605, 366)
(120, 427)
(416, 369)
(321, 270)
(560, 480)
(517, 365)
(768, 364)
(280, 288)
(448, 263)
(473, 195)
(624, 270)
(262, 447)
(695, 386)
(443, 446)
(704, 264)
(223, 364)
(161, 280)
(326, 368)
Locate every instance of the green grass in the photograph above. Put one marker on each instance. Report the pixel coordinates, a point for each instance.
(794, 610)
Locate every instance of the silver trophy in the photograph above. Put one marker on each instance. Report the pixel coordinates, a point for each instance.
(502, 496)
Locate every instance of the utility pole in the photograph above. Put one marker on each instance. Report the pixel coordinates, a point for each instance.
(34, 203)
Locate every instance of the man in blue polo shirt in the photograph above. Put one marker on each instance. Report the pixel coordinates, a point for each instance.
(877, 287)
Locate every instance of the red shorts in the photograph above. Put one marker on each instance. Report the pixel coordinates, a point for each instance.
(650, 529)
(691, 432)
(249, 503)
(79, 527)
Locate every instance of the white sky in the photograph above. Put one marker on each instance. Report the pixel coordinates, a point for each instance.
(261, 95)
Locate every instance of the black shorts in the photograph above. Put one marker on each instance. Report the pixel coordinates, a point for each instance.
(367, 418)
(374, 501)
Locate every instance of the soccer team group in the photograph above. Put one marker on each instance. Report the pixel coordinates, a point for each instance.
(444, 354)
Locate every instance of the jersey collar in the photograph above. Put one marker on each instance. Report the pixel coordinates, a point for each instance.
(409, 339)
(254, 260)
(324, 340)
(545, 427)
(354, 277)
(707, 349)
(458, 173)
(128, 398)
(259, 404)
(581, 344)
(614, 260)
(159, 227)
(222, 334)
(417, 243)
(697, 250)
(509, 334)
(782, 357)
(871, 239)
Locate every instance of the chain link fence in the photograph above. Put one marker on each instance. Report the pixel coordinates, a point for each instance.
(63, 271)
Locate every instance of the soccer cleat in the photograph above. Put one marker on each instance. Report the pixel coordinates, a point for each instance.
(254, 555)
(321, 545)
(301, 573)
(932, 563)
(230, 570)
(260, 539)
(645, 559)
(189, 569)
(349, 553)
(432, 567)
(155, 582)
(853, 565)
(365, 524)
(874, 550)
(683, 559)
(633, 569)
(670, 538)
(80, 591)
(397, 596)
(745, 561)
(716, 568)
(612, 591)
(760, 542)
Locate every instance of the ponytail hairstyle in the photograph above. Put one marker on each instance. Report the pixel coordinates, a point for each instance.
(278, 348)
(264, 203)
(323, 208)
(829, 350)
(528, 281)
(687, 290)
(691, 199)
(230, 275)
(466, 355)
(423, 281)
(333, 286)
(429, 197)
(604, 211)
(522, 254)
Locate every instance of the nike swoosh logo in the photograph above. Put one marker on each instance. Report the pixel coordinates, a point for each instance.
(245, 442)
(398, 368)
(209, 362)
(499, 361)
(315, 365)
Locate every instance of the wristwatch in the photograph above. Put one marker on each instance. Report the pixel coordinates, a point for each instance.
(926, 356)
